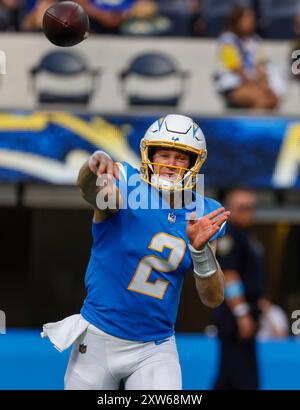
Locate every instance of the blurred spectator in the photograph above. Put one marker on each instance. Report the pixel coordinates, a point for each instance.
(197, 23)
(244, 78)
(106, 16)
(144, 19)
(273, 323)
(9, 14)
(33, 19)
(241, 257)
(297, 30)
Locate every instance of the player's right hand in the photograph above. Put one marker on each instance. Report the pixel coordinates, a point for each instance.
(100, 163)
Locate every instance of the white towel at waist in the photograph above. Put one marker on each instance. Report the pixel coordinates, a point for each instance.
(64, 333)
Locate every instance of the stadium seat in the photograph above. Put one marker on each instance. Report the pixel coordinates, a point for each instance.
(215, 13)
(62, 64)
(277, 18)
(153, 66)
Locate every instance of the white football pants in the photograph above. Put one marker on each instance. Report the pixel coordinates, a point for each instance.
(100, 361)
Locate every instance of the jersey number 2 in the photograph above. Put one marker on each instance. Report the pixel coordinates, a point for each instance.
(158, 288)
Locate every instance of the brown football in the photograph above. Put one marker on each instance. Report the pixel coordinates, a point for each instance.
(65, 24)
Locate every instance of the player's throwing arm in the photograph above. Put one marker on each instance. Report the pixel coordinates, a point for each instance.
(208, 274)
(96, 174)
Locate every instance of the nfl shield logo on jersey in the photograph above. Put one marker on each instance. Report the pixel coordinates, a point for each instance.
(171, 217)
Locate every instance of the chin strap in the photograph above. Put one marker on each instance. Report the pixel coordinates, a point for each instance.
(165, 183)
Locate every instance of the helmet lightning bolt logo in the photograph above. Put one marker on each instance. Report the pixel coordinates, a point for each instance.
(195, 128)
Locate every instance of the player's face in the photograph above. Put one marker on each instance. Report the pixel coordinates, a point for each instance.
(246, 24)
(297, 25)
(242, 207)
(170, 158)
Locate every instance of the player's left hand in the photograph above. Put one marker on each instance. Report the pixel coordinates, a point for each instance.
(200, 231)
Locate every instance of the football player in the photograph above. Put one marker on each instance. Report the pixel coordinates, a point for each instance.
(138, 261)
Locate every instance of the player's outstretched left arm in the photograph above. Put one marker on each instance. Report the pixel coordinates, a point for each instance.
(208, 274)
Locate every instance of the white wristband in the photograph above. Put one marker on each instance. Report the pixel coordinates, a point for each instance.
(204, 260)
(241, 309)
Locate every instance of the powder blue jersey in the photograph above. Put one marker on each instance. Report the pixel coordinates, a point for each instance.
(138, 262)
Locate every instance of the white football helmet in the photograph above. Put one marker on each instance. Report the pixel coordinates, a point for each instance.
(173, 131)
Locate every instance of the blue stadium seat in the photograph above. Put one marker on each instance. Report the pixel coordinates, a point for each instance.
(277, 18)
(152, 66)
(215, 13)
(64, 64)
